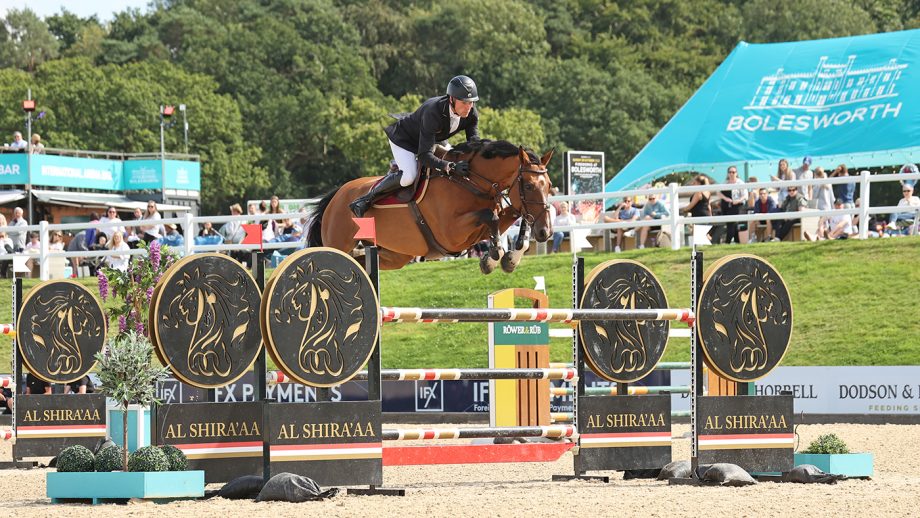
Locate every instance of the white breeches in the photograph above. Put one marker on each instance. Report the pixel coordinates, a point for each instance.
(407, 163)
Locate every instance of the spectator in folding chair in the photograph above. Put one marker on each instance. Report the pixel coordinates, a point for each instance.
(563, 219)
(102, 243)
(839, 226)
(653, 209)
(118, 262)
(625, 212)
(764, 204)
(77, 244)
(902, 223)
(794, 202)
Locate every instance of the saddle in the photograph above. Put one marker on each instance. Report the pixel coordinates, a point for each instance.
(414, 192)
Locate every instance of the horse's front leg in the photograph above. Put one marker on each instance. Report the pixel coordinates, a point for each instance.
(490, 259)
(513, 258)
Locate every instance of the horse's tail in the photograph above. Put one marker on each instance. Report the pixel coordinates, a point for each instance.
(315, 234)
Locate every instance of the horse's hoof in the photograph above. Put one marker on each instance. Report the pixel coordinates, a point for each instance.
(511, 260)
(496, 253)
(487, 264)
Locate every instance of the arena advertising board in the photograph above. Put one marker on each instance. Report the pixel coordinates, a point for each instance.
(585, 175)
(893, 390)
(98, 173)
(815, 390)
(625, 432)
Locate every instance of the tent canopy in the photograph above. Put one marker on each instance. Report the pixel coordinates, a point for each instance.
(93, 200)
(844, 100)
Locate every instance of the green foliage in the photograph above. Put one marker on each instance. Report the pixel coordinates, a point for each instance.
(797, 20)
(110, 459)
(26, 42)
(127, 373)
(75, 458)
(828, 444)
(148, 458)
(177, 459)
(292, 96)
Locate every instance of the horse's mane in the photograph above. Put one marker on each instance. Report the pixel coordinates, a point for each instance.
(492, 149)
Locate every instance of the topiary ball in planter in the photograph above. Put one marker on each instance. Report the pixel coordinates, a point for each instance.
(148, 458)
(177, 459)
(75, 459)
(109, 459)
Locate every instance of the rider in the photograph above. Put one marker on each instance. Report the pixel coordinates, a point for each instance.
(412, 139)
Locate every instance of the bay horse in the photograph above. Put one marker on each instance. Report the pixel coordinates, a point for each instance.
(505, 182)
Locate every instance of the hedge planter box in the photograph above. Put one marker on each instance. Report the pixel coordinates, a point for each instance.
(849, 464)
(118, 486)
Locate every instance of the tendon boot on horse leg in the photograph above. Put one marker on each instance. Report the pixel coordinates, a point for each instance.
(512, 259)
(389, 184)
(490, 259)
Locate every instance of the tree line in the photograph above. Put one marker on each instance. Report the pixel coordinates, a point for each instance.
(291, 96)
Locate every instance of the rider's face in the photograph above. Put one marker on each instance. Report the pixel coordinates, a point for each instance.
(462, 108)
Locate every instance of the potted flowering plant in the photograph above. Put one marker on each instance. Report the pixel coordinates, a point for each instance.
(130, 290)
(128, 375)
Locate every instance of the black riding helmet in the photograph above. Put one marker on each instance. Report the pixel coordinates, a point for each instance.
(463, 88)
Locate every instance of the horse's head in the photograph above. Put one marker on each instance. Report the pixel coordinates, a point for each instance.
(530, 191)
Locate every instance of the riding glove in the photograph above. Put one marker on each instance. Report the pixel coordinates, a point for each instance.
(461, 168)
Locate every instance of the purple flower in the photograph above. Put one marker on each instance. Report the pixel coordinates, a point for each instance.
(149, 293)
(103, 284)
(155, 255)
(140, 328)
(122, 323)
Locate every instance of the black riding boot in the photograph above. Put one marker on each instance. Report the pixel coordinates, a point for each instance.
(389, 184)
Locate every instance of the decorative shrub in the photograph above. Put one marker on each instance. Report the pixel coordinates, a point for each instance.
(148, 458)
(110, 459)
(75, 459)
(177, 459)
(128, 374)
(828, 444)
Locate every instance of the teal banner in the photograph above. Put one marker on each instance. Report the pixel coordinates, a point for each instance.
(145, 174)
(14, 168)
(68, 171)
(181, 174)
(95, 173)
(845, 100)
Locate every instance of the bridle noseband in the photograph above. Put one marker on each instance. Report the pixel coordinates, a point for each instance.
(544, 206)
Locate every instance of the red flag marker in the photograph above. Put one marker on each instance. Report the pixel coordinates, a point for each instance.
(253, 234)
(367, 229)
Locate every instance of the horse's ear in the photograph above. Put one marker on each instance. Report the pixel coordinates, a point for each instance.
(547, 157)
(523, 155)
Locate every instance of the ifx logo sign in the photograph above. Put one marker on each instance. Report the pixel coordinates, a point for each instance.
(429, 396)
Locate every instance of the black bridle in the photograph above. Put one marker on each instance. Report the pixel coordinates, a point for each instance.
(497, 194)
(525, 215)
